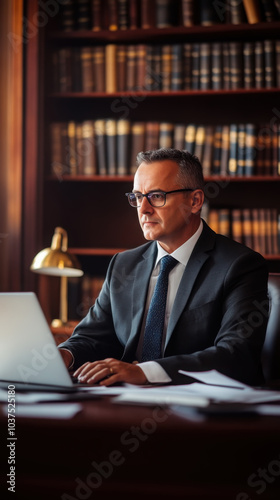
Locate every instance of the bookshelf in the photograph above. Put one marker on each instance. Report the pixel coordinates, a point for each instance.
(93, 208)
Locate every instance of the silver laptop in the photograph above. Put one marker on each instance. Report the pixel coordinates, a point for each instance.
(29, 356)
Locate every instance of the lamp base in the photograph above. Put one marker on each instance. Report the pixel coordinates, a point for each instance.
(57, 323)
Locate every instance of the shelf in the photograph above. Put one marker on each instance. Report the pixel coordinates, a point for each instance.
(191, 33)
(129, 178)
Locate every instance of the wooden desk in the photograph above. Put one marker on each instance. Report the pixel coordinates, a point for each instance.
(111, 451)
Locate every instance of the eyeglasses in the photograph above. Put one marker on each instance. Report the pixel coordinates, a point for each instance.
(155, 198)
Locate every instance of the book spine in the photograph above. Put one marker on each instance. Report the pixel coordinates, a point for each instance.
(235, 58)
(96, 17)
(250, 149)
(123, 136)
(165, 135)
(188, 12)
(259, 65)
(248, 58)
(68, 15)
(134, 14)
(262, 236)
(268, 231)
(72, 152)
(131, 67)
(247, 229)
(88, 148)
(110, 68)
(207, 158)
(123, 14)
(213, 220)
(137, 143)
(236, 225)
(256, 230)
(232, 164)
(252, 11)
(224, 222)
(237, 12)
(241, 150)
(121, 64)
(208, 13)
(204, 70)
(190, 133)
(79, 149)
(195, 66)
(179, 136)
(141, 57)
(152, 135)
(274, 230)
(187, 66)
(147, 9)
(269, 63)
(65, 73)
(226, 65)
(83, 16)
(99, 132)
(269, 10)
(87, 69)
(166, 67)
(277, 62)
(99, 68)
(199, 142)
(112, 13)
(177, 67)
(111, 146)
(216, 66)
(217, 145)
(224, 150)
(163, 13)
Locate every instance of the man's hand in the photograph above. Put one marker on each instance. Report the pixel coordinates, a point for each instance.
(109, 371)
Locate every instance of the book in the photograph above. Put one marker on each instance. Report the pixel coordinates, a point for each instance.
(177, 67)
(207, 158)
(187, 66)
(224, 221)
(165, 135)
(213, 220)
(190, 133)
(64, 69)
(250, 149)
(147, 13)
(256, 230)
(71, 148)
(131, 67)
(269, 63)
(262, 228)
(110, 68)
(199, 142)
(134, 14)
(274, 145)
(277, 62)
(83, 16)
(68, 15)
(87, 69)
(232, 163)
(123, 136)
(204, 67)
(236, 225)
(179, 136)
(224, 150)
(111, 146)
(100, 144)
(141, 57)
(237, 13)
(76, 70)
(216, 66)
(123, 14)
(226, 65)
(241, 149)
(87, 148)
(121, 67)
(151, 135)
(259, 65)
(268, 10)
(166, 58)
(58, 149)
(112, 13)
(164, 13)
(249, 68)
(268, 231)
(96, 17)
(195, 74)
(208, 13)
(236, 66)
(137, 143)
(217, 145)
(99, 68)
(274, 231)
(247, 228)
(188, 12)
(252, 10)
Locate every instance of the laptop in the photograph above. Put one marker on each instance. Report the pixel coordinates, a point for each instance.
(29, 357)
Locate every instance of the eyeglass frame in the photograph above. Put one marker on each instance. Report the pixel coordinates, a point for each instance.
(156, 191)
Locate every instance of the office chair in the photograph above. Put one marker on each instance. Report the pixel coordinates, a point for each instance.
(271, 348)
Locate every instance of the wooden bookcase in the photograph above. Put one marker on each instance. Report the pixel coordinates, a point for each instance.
(93, 209)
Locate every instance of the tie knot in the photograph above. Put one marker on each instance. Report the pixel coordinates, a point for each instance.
(167, 263)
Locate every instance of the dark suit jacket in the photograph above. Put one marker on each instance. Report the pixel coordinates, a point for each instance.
(218, 318)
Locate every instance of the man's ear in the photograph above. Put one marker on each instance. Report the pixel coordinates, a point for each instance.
(197, 200)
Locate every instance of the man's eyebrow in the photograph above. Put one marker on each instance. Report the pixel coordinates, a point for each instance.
(151, 191)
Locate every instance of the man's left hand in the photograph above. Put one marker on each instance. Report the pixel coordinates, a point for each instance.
(110, 371)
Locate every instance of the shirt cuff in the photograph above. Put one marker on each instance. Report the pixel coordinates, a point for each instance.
(73, 359)
(154, 373)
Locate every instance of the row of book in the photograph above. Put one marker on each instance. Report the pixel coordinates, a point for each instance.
(257, 228)
(110, 147)
(132, 14)
(188, 66)
(82, 294)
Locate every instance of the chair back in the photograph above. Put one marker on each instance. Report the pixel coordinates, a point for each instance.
(271, 348)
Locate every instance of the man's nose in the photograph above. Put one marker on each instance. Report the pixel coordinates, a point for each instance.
(145, 206)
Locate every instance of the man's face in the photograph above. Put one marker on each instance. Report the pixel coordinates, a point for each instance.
(172, 224)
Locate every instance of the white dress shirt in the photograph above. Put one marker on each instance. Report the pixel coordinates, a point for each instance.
(153, 371)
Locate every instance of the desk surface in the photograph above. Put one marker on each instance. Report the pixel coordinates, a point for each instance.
(110, 451)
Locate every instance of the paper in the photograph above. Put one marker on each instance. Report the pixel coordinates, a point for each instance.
(213, 377)
(48, 410)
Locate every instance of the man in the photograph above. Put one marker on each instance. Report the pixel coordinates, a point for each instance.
(216, 291)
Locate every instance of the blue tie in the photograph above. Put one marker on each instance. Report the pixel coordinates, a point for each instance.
(156, 313)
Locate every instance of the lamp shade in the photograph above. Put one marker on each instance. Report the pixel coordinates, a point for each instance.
(56, 260)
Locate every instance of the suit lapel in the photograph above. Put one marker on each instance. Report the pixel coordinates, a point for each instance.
(143, 271)
(199, 256)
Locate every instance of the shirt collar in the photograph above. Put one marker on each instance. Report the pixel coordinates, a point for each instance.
(183, 253)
